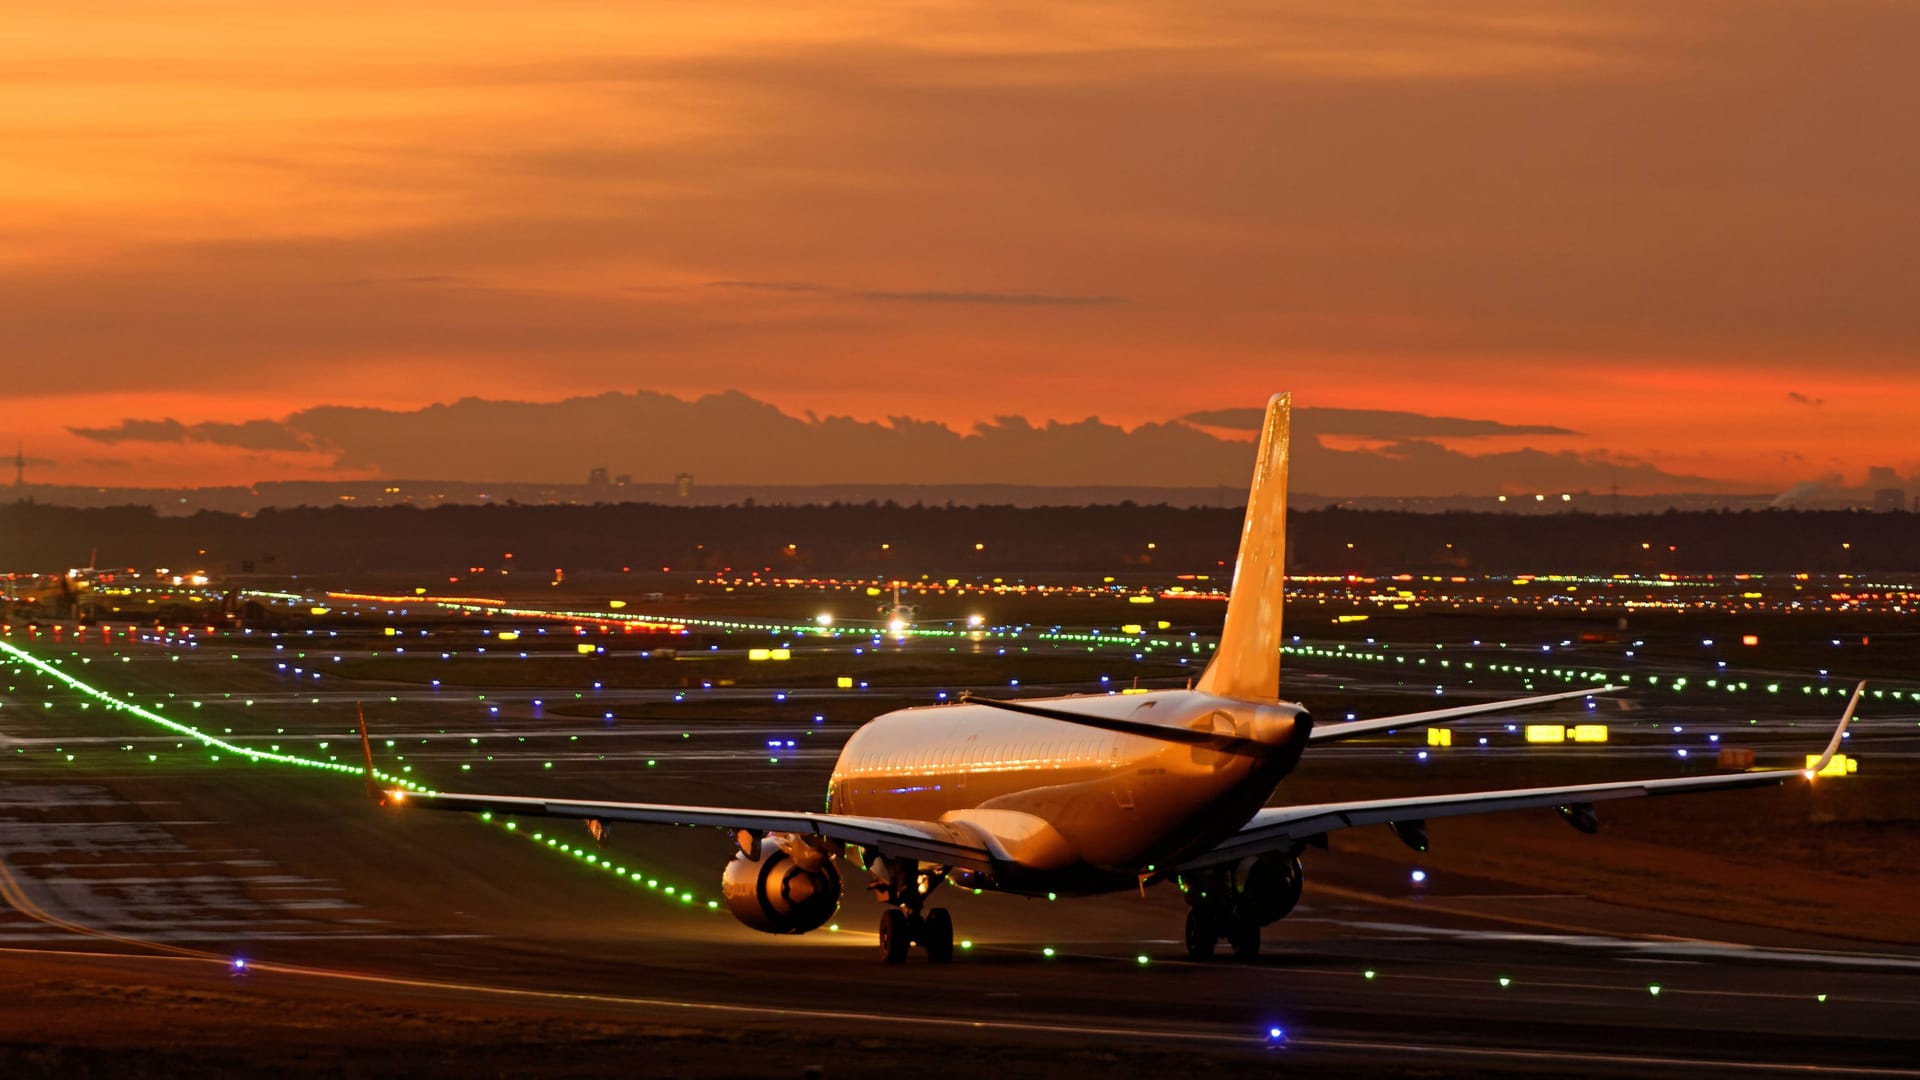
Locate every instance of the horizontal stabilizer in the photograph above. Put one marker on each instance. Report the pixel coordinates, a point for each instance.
(1231, 744)
(1352, 728)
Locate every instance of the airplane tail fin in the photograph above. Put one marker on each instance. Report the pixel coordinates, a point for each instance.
(1247, 663)
(374, 790)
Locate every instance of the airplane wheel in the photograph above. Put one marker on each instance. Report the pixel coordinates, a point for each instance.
(1243, 934)
(894, 938)
(937, 936)
(1202, 934)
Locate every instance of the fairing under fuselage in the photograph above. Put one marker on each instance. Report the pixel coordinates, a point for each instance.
(1066, 808)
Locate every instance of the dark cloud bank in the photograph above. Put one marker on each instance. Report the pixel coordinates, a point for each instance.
(731, 438)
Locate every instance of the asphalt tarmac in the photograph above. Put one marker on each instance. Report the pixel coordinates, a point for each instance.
(174, 867)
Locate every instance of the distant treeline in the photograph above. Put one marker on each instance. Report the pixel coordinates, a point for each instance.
(883, 538)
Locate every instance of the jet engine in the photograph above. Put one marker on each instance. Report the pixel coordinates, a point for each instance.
(779, 894)
(1267, 887)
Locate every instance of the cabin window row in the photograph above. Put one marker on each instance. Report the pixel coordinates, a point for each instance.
(972, 757)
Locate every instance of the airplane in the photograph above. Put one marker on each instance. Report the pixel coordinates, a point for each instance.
(1090, 794)
(898, 616)
(61, 593)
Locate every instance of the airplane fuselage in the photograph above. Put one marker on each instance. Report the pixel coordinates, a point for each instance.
(1066, 808)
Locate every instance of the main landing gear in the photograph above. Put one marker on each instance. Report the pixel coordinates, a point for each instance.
(900, 931)
(1207, 926)
(1231, 903)
(904, 888)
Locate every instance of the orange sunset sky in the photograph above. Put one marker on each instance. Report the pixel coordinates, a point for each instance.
(1685, 231)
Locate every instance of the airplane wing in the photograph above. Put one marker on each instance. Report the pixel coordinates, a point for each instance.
(1352, 728)
(927, 841)
(1282, 828)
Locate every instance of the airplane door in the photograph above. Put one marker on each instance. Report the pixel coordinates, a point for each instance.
(966, 763)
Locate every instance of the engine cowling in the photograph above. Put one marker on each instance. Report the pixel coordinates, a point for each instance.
(1267, 887)
(775, 894)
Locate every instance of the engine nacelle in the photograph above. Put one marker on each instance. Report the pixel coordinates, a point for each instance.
(1267, 887)
(777, 895)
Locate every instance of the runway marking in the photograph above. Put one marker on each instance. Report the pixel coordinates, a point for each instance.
(1423, 906)
(12, 892)
(21, 825)
(1497, 1053)
(1634, 989)
(1585, 935)
(1683, 947)
(1402, 977)
(1517, 896)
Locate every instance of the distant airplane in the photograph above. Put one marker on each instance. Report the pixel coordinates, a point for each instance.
(62, 593)
(1090, 794)
(898, 616)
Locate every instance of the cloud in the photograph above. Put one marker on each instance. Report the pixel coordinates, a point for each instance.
(1796, 396)
(411, 279)
(771, 286)
(1488, 181)
(249, 435)
(168, 430)
(733, 438)
(1808, 489)
(1833, 489)
(1371, 423)
(923, 296)
(1031, 299)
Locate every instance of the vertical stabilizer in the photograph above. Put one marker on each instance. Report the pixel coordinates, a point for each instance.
(1247, 663)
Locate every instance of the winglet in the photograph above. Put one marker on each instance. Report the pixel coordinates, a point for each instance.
(1840, 732)
(374, 790)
